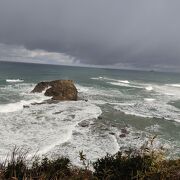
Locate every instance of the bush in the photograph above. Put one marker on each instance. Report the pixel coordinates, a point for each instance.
(144, 164)
(50, 169)
(121, 167)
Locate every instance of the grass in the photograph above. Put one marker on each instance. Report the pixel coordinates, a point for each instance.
(135, 164)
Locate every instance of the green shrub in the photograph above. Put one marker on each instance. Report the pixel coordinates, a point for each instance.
(142, 164)
(121, 167)
(50, 169)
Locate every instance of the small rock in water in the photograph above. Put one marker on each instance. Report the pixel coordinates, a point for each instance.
(99, 117)
(38, 103)
(72, 116)
(113, 125)
(124, 131)
(25, 106)
(122, 135)
(84, 124)
(112, 133)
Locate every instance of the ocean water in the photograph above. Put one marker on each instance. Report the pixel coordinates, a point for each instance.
(143, 103)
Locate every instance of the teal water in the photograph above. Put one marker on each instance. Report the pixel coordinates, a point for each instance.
(143, 103)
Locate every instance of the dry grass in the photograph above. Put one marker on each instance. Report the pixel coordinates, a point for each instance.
(144, 163)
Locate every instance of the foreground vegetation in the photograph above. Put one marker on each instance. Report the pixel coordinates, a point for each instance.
(144, 163)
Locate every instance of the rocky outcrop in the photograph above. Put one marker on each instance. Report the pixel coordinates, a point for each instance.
(62, 90)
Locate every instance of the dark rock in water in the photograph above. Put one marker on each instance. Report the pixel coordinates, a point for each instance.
(25, 106)
(113, 125)
(122, 135)
(72, 116)
(124, 131)
(112, 133)
(40, 87)
(99, 117)
(38, 103)
(61, 90)
(84, 124)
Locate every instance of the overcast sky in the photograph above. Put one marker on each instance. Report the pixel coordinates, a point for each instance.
(122, 33)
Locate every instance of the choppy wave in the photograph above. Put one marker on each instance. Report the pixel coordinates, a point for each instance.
(150, 109)
(90, 92)
(124, 83)
(14, 80)
(46, 126)
(69, 127)
(12, 107)
(19, 96)
(154, 102)
(119, 84)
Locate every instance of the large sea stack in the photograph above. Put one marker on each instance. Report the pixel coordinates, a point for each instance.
(62, 90)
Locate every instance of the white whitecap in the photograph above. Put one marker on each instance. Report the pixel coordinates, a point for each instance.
(97, 78)
(149, 99)
(149, 88)
(124, 85)
(14, 80)
(174, 85)
(118, 84)
(124, 81)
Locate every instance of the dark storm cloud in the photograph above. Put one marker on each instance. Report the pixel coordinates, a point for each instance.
(103, 32)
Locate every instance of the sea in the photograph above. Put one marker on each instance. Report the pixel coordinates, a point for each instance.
(117, 110)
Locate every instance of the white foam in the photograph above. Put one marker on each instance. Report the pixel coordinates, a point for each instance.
(125, 84)
(66, 136)
(83, 88)
(124, 81)
(170, 91)
(117, 80)
(149, 99)
(44, 127)
(111, 79)
(153, 128)
(174, 85)
(14, 80)
(149, 88)
(97, 78)
(90, 92)
(147, 109)
(118, 84)
(12, 107)
(23, 91)
(54, 128)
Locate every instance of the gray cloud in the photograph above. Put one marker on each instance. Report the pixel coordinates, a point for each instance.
(102, 32)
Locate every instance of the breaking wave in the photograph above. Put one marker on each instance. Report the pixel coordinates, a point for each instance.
(14, 80)
(12, 107)
(174, 85)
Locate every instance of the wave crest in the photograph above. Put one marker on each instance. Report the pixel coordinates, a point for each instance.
(14, 80)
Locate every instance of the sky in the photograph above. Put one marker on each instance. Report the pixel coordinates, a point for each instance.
(129, 34)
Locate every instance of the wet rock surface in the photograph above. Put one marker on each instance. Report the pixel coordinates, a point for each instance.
(61, 90)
